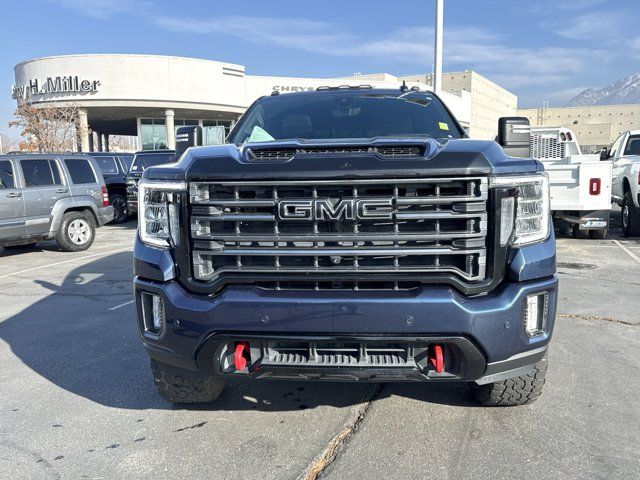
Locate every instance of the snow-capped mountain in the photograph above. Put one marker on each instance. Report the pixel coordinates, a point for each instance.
(624, 91)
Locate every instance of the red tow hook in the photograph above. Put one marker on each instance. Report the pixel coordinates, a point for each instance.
(436, 357)
(241, 355)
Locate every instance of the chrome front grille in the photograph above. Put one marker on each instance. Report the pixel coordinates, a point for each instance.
(369, 230)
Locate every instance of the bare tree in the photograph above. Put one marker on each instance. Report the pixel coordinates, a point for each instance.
(9, 144)
(46, 128)
(122, 143)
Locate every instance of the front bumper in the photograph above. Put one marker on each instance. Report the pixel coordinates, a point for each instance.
(489, 328)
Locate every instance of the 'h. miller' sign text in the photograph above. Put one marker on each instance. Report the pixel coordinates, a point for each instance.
(55, 85)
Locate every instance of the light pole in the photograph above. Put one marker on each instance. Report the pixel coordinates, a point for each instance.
(1, 150)
(437, 57)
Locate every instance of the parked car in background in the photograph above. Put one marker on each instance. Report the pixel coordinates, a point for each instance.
(580, 184)
(625, 154)
(114, 168)
(56, 196)
(142, 161)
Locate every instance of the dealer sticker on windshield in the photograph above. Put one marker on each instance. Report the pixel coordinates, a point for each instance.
(443, 126)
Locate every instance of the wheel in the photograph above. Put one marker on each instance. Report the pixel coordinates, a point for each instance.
(599, 234)
(77, 231)
(512, 391)
(580, 234)
(630, 217)
(177, 385)
(120, 210)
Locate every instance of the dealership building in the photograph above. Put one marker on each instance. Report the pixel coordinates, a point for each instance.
(595, 126)
(148, 96)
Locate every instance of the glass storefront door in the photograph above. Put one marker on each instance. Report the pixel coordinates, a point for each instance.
(153, 134)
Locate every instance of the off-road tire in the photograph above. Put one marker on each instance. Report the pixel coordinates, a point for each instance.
(63, 237)
(599, 234)
(177, 385)
(120, 208)
(632, 227)
(520, 390)
(579, 234)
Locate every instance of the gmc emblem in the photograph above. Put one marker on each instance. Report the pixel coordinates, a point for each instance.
(336, 209)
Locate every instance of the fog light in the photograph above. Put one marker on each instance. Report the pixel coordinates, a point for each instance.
(535, 314)
(152, 312)
(158, 312)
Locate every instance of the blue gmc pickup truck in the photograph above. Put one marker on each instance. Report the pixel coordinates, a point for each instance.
(348, 234)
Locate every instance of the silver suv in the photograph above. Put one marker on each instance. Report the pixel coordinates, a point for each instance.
(43, 197)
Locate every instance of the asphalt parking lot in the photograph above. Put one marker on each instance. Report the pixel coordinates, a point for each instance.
(77, 399)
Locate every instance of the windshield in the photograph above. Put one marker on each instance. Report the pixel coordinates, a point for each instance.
(345, 115)
(143, 161)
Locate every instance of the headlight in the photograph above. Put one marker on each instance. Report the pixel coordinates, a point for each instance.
(531, 223)
(159, 212)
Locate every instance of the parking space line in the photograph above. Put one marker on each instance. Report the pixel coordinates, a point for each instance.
(20, 272)
(627, 251)
(121, 305)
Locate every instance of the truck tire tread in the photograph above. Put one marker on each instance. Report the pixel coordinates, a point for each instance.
(633, 227)
(115, 199)
(520, 390)
(599, 234)
(580, 234)
(177, 385)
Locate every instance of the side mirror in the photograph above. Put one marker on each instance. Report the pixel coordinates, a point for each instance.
(514, 136)
(604, 153)
(187, 137)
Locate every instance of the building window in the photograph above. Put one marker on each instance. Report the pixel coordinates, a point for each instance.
(218, 123)
(185, 123)
(214, 132)
(153, 134)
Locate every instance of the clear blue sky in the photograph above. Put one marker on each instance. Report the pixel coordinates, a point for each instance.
(540, 49)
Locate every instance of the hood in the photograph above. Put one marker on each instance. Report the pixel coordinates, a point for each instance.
(333, 159)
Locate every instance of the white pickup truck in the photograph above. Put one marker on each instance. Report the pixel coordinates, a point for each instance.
(625, 154)
(580, 184)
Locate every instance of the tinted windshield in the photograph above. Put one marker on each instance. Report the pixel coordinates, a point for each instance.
(344, 115)
(145, 160)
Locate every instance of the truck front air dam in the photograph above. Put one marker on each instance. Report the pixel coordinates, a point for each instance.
(494, 322)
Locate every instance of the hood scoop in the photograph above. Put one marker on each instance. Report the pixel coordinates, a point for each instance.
(285, 154)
